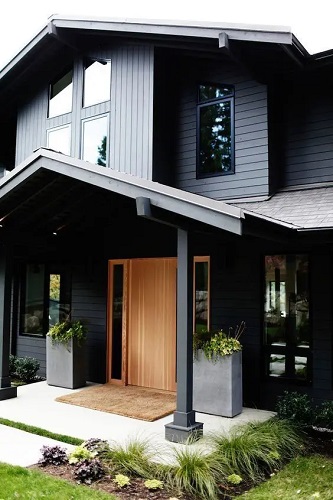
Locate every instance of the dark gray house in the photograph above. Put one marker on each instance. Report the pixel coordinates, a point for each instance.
(162, 178)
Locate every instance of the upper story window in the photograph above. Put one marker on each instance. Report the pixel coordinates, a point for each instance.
(94, 140)
(97, 82)
(215, 143)
(61, 93)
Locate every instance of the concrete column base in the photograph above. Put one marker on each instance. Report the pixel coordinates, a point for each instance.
(179, 434)
(8, 393)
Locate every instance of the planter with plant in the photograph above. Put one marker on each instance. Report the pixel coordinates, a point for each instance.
(65, 354)
(217, 372)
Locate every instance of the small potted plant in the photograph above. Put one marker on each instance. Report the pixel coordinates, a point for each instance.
(217, 372)
(65, 354)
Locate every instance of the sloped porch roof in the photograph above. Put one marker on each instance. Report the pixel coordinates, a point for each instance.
(50, 178)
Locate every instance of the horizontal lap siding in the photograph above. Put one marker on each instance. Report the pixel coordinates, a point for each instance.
(309, 135)
(89, 299)
(32, 347)
(251, 135)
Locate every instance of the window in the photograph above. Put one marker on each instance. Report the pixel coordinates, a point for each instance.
(97, 81)
(201, 287)
(61, 91)
(45, 298)
(287, 333)
(215, 114)
(95, 140)
(59, 139)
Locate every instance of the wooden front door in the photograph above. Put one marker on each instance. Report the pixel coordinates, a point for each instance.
(149, 329)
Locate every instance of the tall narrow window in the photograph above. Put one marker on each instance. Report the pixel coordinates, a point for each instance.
(97, 81)
(59, 139)
(33, 311)
(215, 143)
(95, 140)
(61, 92)
(287, 334)
(201, 312)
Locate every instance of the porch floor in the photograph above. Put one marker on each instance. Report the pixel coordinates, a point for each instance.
(35, 405)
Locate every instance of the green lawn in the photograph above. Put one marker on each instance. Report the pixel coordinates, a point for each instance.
(25, 484)
(304, 478)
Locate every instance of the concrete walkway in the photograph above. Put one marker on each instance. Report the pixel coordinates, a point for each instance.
(36, 405)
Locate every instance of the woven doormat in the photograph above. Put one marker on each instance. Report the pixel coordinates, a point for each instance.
(129, 401)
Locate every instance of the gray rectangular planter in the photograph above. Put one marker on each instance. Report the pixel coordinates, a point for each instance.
(217, 385)
(65, 364)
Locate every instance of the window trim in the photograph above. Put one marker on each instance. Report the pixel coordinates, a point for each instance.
(210, 102)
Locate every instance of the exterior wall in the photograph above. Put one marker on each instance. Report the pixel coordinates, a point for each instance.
(308, 137)
(251, 131)
(130, 111)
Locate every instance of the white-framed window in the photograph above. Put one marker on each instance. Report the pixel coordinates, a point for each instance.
(59, 139)
(96, 82)
(61, 95)
(94, 142)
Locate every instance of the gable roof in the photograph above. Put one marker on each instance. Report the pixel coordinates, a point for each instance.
(302, 209)
(31, 177)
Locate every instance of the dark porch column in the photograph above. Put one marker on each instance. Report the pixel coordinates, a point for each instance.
(184, 424)
(6, 391)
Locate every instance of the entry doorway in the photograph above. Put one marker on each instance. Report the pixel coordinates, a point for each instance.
(142, 322)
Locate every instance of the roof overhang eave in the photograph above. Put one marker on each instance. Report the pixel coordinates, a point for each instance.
(211, 212)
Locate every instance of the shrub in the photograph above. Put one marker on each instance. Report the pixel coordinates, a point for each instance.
(88, 470)
(26, 368)
(53, 455)
(97, 446)
(12, 365)
(121, 480)
(295, 407)
(80, 453)
(324, 415)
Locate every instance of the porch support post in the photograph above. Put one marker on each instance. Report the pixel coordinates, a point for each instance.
(184, 424)
(6, 391)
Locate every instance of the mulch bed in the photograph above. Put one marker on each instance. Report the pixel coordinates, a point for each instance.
(319, 443)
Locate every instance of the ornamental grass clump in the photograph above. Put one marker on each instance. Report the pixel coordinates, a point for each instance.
(133, 458)
(216, 344)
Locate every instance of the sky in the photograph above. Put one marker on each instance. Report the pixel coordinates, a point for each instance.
(311, 21)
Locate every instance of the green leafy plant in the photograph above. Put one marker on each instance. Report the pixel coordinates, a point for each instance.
(26, 368)
(80, 453)
(153, 484)
(97, 446)
(67, 330)
(234, 479)
(295, 407)
(323, 416)
(122, 480)
(53, 455)
(12, 365)
(216, 344)
(88, 470)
